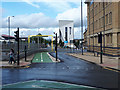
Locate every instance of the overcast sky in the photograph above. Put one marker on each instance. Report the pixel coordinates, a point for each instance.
(41, 16)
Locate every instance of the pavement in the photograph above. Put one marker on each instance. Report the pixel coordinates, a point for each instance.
(108, 61)
(23, 63)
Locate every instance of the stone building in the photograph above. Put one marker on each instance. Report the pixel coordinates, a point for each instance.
(103, 17)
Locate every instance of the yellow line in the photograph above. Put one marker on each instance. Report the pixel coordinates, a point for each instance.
(111, 69)
(26, 66)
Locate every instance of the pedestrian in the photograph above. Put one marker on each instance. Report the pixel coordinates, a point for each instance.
(12, 58)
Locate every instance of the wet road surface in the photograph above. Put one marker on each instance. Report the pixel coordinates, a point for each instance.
(71, 70)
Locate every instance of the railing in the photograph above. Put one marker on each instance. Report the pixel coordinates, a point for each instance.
(112, 51)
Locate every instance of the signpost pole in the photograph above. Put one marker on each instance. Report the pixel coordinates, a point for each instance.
(56, 46)
(100, 41)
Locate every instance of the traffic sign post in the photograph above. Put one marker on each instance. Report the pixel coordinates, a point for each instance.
(56, 47)
(100, 41)
(25, 53)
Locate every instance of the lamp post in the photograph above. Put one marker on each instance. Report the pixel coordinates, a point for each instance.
(81, 28)
(9, 27)
(56, 45)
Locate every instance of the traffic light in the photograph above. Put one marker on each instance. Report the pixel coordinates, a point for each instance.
(17, 35)
(100, 38)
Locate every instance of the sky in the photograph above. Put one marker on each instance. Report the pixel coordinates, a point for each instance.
(41, 16)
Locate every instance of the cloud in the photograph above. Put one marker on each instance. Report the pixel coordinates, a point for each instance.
(31, 3)
(73, 14)
(34, 20)
(59, 6)
(26, 31)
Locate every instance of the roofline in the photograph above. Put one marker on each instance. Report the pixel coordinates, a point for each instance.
(67, 20)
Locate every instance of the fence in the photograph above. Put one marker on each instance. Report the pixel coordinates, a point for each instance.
(5, 49)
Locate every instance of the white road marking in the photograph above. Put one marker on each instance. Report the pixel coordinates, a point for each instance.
(19, 82)
(41, 58)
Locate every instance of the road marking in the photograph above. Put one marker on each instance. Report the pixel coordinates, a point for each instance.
(41, 58)
(26, 66)
(111, 69)
(70, 84)
(19, 82)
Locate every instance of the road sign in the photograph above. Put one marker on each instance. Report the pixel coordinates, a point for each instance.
(65, 41)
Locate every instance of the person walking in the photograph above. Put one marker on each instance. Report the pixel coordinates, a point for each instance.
(11, 54)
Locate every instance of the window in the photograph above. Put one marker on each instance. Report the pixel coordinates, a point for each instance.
(70, 30)
(106, 19)
(96, 40)
(94, 24)
(65, 33)
(102, 5)
(110, 17)
(99, 23)
(91, 40)
(106, 3)
(118, 39)
(99, 6)
(109, 39)
(102, 22)
(95, 10)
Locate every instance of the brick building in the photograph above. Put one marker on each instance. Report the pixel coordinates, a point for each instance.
(103, 17)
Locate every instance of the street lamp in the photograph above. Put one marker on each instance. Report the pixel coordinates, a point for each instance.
(9, 27)
(56, 45)
(81, 28)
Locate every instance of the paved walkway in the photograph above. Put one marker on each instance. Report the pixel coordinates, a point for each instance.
(108, 61)
(5, 64)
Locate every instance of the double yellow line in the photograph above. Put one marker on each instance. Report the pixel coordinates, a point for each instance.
(111, 69)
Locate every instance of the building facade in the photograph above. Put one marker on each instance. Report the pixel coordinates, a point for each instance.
(103, 17)
(66, 31)
(85, 38)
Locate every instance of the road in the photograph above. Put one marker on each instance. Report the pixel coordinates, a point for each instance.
(71, 70)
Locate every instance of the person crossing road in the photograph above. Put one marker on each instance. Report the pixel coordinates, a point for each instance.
(12, 57)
